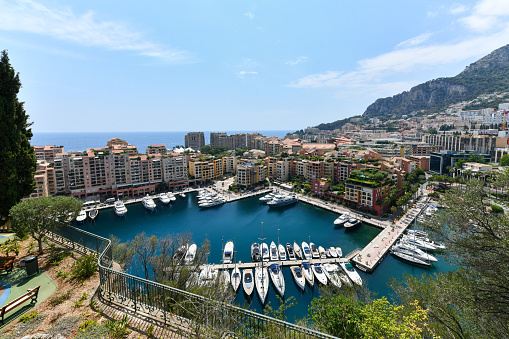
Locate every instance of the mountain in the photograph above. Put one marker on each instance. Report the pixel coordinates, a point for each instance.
(487, 75)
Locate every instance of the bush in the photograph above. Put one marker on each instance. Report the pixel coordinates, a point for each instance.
(27, 317)
(56, 300)
(497, 209)
(85, 267)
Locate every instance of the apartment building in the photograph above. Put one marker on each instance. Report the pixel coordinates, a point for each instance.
(156, 149)
(480, 144)
(238, 141)
(44, 180)
(120, 145)
(421, 161)
(421, 149)
(217, 139)
(194, 140)
(249, 174)
(250, 139)
(283, 170)
(48, 152)
(366, 194)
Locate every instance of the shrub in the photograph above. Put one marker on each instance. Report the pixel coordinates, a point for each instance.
(54, 301)
(27, 317)
(85, 267)
(497, 209)
(118, 328)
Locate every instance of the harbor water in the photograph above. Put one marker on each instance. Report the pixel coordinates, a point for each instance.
(241, 221)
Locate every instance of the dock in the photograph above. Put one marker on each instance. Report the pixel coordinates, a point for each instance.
(283, 263)
(370, 256)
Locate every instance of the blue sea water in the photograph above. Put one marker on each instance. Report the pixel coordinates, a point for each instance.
(81, 141)
(241, 221)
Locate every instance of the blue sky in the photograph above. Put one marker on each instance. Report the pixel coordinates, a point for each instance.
(233, 65)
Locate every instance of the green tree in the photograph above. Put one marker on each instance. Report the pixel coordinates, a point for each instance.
(39, 216)
(17, 157)
(504, 160)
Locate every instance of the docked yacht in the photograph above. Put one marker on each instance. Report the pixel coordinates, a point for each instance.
(332, 273)
(317, 270)
(190, 254)
(308, 273)
(148, 203)
(93, 214)
(255, 252)
(262, 282)
(163, 197)
(224, 277)
(265, 252)
(291, 253)
(82, 216)
(333, 252)
(322, 252)
(298, 276)
(282, 201)
(430, 210)
(339, 251)
(352, 222)
(412, 250)
(171, 196)
(408, 257)
(215, 202)
(182, 195)
(351, 272)
(306, 251)
(235, 278)
(418, 242)
(228, 253)
(207, 275)
(119, 208)
(274, 256)
(314, 251)
(247, 281)
(297, 250)
(340, 221)
(282, 252)
(276, 275)
(268, 197)
(416, 234)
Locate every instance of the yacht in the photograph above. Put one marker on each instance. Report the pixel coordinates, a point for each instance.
(352, 222)
(321, 250)
(247, 281)
(119, 208)
(406, 256)
(255, 252)
(277, 278)
(171, 196)
(422, 244)
(413, 251)
(265, 252)
(343, 277)
(190, 254)
(224, 277)
(235, 278)
(308, 273)
(262, 282)
(267, 197)
(332, 273)
(306, 251)
(430, 210)
(351, 272)
(163, 197)
(333, 252)
(93, 213)
(339, 251)
(287, 200)
(282, 252)
(212, 203)
(340, 221)
(148, 203)
(314, 251)
(298, 277)
(82, 216)
(228, 253)
(207, 275)
(182, 195)
(416, 234)
(317, 270)
(291, 253)
(298, 252)
(274, 256)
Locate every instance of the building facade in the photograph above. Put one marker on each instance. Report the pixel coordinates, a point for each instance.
(194, 140)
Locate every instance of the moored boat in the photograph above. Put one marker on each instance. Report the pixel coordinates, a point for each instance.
(190, 254)
(308, 273)
(318, 272)
(291, 252)
(277, 278)
(163, 197)
(248, 281)
(148, 203)
(235, 278)
(182, 195)
(228, 253)
(314, 251)
(287, 200)
(119, 208)
(332, 273)
(93, 213)
(340, 221)
(171, 196)
(297, 250)
(322, 252)
(82, 216)
(414, 251)
(274, 256)
(265, 252)
(255, 252)
(352, 222)
(333, 252)
(282, 252)
(298, 276)
(207, 275)
(306, 251)
(262, 282)
(406, 256)
(351, 272)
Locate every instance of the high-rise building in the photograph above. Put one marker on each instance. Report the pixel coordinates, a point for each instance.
(195, 140)
(215, 138)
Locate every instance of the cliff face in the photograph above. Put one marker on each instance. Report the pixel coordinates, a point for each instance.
(487, 75)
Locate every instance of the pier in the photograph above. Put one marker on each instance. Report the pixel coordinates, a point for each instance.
(283, 263)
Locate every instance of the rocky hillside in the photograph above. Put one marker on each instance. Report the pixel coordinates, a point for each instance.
(487, 75)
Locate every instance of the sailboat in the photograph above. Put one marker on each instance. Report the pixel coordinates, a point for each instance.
(308, 273)
(331, 271)
(262, 282)
(235, 278)
(277, 278)
(297, 250)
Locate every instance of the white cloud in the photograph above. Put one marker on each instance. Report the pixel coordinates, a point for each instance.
(244, 74)
(487, 15)
(249, 15)
(295, 62)
(415, 40)
(458, 9)
(32, 17)
(432, 14)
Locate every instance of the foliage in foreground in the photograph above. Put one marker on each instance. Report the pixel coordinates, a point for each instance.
(84, 267)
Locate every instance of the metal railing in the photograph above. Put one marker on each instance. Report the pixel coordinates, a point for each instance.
(188, 312)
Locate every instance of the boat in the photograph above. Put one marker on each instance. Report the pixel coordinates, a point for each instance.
(340, 221)
(212, 203)
(228, 253)
(430, 210)
(276, 275)
(282, 201)
(207, 275)
(182, 195)
(298, 277)
(298, 252)
(306, 251)
(308, 273)
(422, 244)
(93, 213)
(320, 276)
(267, 197)
(265, 252)
(351, 272)
(424, 237)
(274, 256)
(333, 252)
(417, 233)
(352, 222)
(247, 281)
(255, 252)
(322, 252)
(171, 196)
(235, 278)
(414, 251)
(224, 277)
(119, 208)
(180, 253)
(406, 256)
(148, 203)
(190, 254)
(314, 251)
(262, 282)
(339, 251)
(332, 273)
(291, 253)
(82, 216)
(282, 252)
(163, 197)
(343, 277)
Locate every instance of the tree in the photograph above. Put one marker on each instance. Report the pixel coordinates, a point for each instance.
(17, 160)
(39, 216)
(504, 160)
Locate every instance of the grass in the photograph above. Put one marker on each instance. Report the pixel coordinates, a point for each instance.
(58, 299)
(27, 317)
(63, 326)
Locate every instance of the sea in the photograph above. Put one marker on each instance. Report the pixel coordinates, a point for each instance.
(241, 222)
(80, 141)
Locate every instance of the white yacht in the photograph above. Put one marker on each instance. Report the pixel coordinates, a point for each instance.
(340, 221)
(228, 253)
(298, 276)
(213, 203)
(407, 248)
(332, 273)
(317, 270)
(308, 273)
(277, 278)
(163, 197)
(93, 214)
(82, 216)
(255, 252)
(322, 252)
(408, 257)
(265, 252)
(333, 252)
(351, 272)
(352, 222)
(274, 256)
(235, 278)
(287, 200)
(148, 203)
(248, 281)
(171, 196)
(190, 254)
(291, 252)
(297, 251)
(268, 197)
(418, 242)
(119, 208)
(262, 282)
(182, 195)
(339, 251)
(207, 275)
(306, 251)
(282, 252)
(314, 251)
(416, 234)
(430, 210)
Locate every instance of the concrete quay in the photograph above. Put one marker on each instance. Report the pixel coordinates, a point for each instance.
(246, 265)
(370, 256)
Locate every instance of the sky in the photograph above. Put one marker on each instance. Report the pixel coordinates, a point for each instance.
(233, 65)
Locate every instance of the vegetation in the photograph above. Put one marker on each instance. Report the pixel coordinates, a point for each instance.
(36, 217)
(29, 316)
(504, 160)
(17, 160)
(213, 150)
(84, 267)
